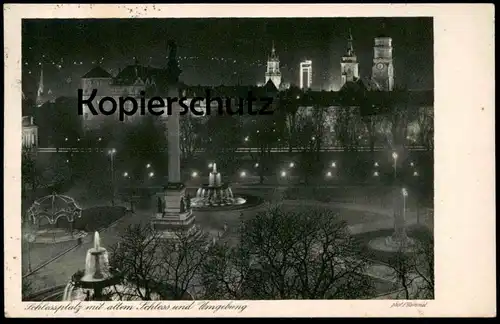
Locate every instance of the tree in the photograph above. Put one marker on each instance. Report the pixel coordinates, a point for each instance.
(141, 142)
(136, 256)
(191, 135)
(425, 122)
(300, 254)
(223, 137)
(306, 140)
(414, 270)
(288, 109)
(157, 268)
(180, 265)
(224, 272)
(57, 172)
(264, 135)
(30, 173)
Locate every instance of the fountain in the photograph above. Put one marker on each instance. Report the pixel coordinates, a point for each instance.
(215, 193)
(97, 275)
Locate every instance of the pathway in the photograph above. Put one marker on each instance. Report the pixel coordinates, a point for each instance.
(59, 271)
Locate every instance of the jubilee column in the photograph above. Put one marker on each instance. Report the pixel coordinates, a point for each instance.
(174, 215)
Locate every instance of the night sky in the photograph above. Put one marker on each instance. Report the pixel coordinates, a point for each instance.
(222, 51)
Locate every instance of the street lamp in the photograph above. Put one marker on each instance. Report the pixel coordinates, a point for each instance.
(243, 174)
(125, 175)
(291, 164)
(334, 164)
(256, 165)
(405, 194)
(151, 174)
(283, 174)
(194, 174)
(329, 174)
(148, 165)
(30, 238)
(395, 157)
(112, 153)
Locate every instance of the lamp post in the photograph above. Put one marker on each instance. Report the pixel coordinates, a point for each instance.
(112, 153)
(405, 194)
(29, 238)
(395, 157)
(127, 176)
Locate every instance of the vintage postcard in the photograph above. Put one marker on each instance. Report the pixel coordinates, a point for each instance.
(249, 161)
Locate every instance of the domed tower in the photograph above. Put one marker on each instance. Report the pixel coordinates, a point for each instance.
(383, 68)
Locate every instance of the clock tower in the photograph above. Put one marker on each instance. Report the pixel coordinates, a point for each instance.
(383, 68)
(349, 66)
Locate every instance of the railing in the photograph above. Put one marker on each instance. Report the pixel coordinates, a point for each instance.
(238, 150)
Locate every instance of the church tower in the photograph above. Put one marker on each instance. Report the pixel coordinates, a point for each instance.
(383, 68)
(40, 92)
(273, 69)
(349, 66)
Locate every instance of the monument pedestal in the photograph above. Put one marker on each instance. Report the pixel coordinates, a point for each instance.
(174, 216)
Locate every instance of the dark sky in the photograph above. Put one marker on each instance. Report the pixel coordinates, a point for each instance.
(223, 51)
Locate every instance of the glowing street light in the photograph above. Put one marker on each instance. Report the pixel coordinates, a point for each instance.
(405, 194)
(395, 157)
(334, 164)
(148, 165)
(99, 139)
(329, 174)
(67, 161)
(415, 174)
(66, 139)
(78, 140)
(111, 153)
(376, 164)
(256, 165)
(375, 174)
(151, 174)
(291, 165)
(194, 174)
(247, 138)
(125, 174)
(412, 164)
(283, 174)
(210, 165)
(243, 174)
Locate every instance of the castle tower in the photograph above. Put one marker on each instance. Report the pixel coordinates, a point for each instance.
(383, 68)
(40, 92)
(273, 69)
(349, 66)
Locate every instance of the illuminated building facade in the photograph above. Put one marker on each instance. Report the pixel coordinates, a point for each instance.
(306, 74)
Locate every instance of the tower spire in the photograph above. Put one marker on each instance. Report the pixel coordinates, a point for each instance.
(40, 92)
(350, 47)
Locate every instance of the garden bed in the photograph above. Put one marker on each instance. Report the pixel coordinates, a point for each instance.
(95, 218)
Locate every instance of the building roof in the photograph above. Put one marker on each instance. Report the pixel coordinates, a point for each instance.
(133, 73)
(97, 72)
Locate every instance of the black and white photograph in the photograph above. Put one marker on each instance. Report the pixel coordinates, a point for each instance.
(327, 194)
(232, 159)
